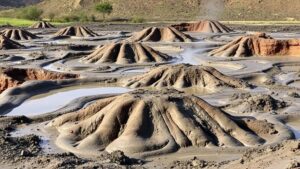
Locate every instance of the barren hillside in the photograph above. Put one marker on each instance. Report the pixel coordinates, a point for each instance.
(181, 10)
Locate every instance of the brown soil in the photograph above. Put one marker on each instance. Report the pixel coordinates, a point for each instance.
(184, 75)
(125, 53)
(42, 25)
(79, 31)
(6, 43)
(205, 26)
(151, 122)
(260, 45)
(12, 77)
(165, 34)
(18, 34)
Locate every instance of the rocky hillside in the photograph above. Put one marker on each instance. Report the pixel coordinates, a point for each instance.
(180, 9)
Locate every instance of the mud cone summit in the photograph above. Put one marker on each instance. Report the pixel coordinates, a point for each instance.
(165, 34)
(79, 31)
(205, 26)
(125, 53)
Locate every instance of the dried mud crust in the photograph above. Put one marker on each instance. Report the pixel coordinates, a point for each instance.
(258, 44)
(205, 26)
(284, 155)
(153, 122)
(79, 31)
(26, 152)
(18, 34)
(42, 25)
(6, 43)
(247, 103)
(12, 77)
(183, 76)
(125, 53)
(164, 34)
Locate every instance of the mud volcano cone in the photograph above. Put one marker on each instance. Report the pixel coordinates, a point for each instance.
(6, 43)
(12, 77)
(205, 26)
(42, 25)
(183, 76)
(165, 34)
(125, 53)
(18, 34)
(152, 122)
(79, 31)
(260, 45)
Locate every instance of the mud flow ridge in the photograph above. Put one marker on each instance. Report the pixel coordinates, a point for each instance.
(6, 43)
(18, 34)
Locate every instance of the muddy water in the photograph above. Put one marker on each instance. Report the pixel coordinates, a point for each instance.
(53, 101)
(295, 127)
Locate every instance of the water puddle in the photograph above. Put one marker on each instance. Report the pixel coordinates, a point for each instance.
(46, 137)
(295, 127)
(49, 102)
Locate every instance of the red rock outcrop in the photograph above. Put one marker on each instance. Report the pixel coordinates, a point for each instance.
(258, 45)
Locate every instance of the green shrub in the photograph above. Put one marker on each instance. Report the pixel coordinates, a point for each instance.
(137, 20)
(105, 8)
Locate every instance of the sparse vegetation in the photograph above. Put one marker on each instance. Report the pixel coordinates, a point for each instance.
(19, 22)
(51, 16)
(105, 8)
(30, 13)
(137, 20)
(15, 22)
(81, 17)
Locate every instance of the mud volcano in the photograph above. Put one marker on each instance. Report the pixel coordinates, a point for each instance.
(18, 34)
(259, 45)
(183, 76)
(125, 53)
(12, 77)
(165, 34)
(42, 25)
(6, 43)
(205, 26)
(79, 31)
(154, 122)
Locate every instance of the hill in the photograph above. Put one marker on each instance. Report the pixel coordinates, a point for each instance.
(17, 3)
(179, 9)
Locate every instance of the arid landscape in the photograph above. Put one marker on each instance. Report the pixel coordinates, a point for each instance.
(195, 94)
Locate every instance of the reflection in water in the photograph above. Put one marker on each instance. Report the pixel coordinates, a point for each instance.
(56, 101)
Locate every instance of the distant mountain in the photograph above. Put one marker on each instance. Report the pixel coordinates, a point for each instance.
(17, 3)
